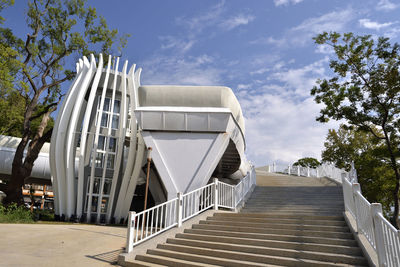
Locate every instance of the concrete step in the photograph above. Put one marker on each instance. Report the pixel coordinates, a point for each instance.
(293, 211)
(244, 229)
(168, 261)
(259, 250)
(275, 198)
(297, 204)
(295, 200)
(277, 237)
(144, 263)
(335, 249)
(278, 216)
(336, 229)
(280, 221)
(281, 257)
(172, 256)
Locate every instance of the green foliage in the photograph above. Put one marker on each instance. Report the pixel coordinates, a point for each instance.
(4, 4)
(365, 93)
(15, 214)
(307, 162)
(33, 67)
(343, 146)
(32, 70)
(43, 215)
(365, 89)
(347, 145)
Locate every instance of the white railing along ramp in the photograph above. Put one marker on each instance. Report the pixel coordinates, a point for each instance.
(151, 222)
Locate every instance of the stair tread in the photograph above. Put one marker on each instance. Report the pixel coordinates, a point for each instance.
(259, 227)
(254, 257)
(167, 261)
(281, 221)
(140, 263)
(294, 215)
(318, 240)
(277, 225)
(221, 262)
(270, 243)
(260, 250)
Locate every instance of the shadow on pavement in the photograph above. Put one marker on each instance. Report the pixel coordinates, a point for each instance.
(110, 257)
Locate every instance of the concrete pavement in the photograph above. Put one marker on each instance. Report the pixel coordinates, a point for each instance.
(60, 244)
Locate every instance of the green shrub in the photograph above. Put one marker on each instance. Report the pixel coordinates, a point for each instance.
(15, 214)
(44, 215)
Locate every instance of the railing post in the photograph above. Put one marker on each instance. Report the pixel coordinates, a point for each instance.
(298, 170)
(179, 205)
(308, 171)
(378, 233)
(131, 228)
(234, 198)
(316, 173)
(356, 188)
(215, 193)
(288, 169)
(273, 167)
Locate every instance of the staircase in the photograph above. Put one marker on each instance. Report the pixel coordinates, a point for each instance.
(287, 221)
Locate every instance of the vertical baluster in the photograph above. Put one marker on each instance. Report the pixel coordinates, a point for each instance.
(158, 211)
(137, 228)
(142, 230)
(161, 216)
(172, 210)
(152, 220)
(147, 222)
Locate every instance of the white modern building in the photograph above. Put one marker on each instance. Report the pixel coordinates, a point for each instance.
(106, 125)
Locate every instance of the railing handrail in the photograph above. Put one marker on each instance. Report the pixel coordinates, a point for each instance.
(173, 212)
(155, 207)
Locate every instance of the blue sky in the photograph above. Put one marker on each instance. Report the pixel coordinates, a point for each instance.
(261, 49)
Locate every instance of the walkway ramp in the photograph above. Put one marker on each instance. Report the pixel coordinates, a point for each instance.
(287, 221)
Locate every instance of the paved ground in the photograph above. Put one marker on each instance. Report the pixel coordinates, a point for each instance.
(60, 245)
(274, 179)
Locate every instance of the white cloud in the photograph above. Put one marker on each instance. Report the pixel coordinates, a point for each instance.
(303, 33)
(386, 5)
(301, 80)
(236, 21)
(180, 45)
(324, 49)
(279, 129)
(332, 21)
(286, 2)
(181, 70)
(373, 25)
(269, 40)
(243, 86)
(205, 19)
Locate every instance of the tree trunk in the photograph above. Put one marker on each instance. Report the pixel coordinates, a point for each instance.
(14, 188)
(22, 168)
(395, 218)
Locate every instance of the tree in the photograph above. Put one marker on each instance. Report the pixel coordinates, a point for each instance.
(307, 162)
(60, 31)
(365, 92)
(347, 145)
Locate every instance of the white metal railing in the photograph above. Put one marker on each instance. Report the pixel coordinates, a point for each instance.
(151, 222)
(382, 236)
(324, 170)
(226, 195)
(197, 201)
